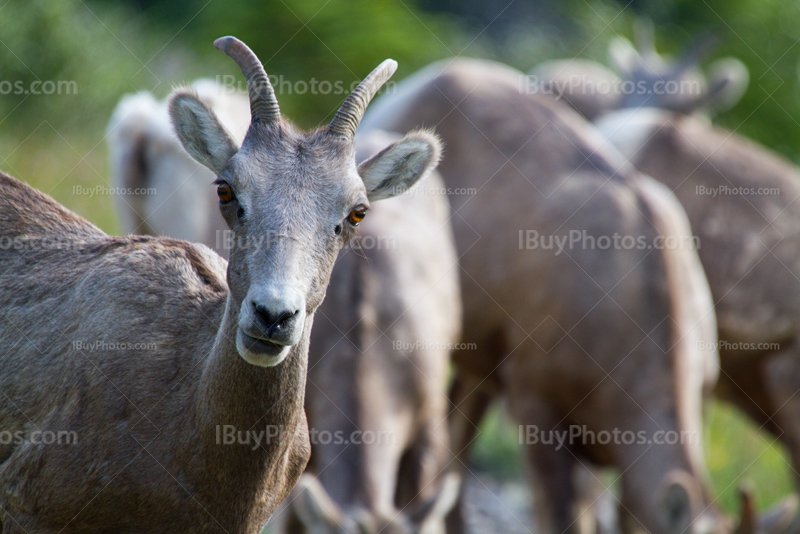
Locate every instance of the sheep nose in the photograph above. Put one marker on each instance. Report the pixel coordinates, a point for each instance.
(275, 313)
(274, 322)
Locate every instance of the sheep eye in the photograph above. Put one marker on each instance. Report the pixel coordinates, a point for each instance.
(357, 215)
(225, 193)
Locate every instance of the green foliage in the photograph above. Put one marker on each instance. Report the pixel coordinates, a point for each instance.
(84, 56)
(111, 48)
(93, 51)
(324, 40)
(761, 33)
(738, 453)
(496, 447)
(104, 50)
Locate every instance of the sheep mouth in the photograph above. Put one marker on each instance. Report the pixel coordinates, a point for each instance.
(259, 351)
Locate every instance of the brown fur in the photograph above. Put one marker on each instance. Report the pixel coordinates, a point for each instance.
(586, 337)
(221, 347)
(751, 254)
(401, 286)
(404, 290)
(407, 292)
(130, 408)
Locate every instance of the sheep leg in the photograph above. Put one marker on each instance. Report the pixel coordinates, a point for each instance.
(781, 375)
(550, 468)
(469, 404)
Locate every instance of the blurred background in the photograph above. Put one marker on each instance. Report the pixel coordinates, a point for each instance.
(86, 54)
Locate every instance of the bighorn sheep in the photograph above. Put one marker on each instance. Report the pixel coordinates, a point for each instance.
(582, 335)
(210, 347)
(378, 373)
(589, 87)
(645, 79)
(741, 201)
(381, 369)
(153, 176)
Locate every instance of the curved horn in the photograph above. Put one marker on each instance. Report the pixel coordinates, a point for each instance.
(345, 123)
(263, 104)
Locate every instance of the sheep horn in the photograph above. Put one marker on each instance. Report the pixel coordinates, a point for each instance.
(263, 104)
(346, 121)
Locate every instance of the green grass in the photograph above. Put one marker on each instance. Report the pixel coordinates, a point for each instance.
(737, 452)
(496, 447)
(64, 169)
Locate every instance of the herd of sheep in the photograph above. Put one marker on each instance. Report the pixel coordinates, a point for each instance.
(602, 260)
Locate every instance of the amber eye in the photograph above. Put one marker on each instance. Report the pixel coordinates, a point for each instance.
(224, 192)
(357, 215)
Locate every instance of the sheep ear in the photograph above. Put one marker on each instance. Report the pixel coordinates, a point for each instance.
(396, 168)
(728, 80)
(200, 131)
